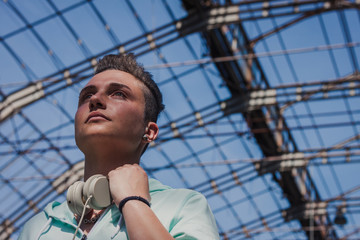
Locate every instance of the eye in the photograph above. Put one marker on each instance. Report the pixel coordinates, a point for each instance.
(87, 96)
(84, 97)
(119, 94)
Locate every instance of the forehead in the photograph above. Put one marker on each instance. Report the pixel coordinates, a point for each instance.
(107, 77)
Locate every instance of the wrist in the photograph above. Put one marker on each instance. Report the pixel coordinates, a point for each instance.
(132, 198)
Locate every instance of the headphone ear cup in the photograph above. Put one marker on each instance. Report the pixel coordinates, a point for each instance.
(74, 198)
(86, 193)
(98, 187)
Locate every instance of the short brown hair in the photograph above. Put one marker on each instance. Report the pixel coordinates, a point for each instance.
(127, 63)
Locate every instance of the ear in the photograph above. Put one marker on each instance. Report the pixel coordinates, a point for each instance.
(152, 131)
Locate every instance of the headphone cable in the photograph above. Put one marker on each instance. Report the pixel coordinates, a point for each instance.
(82, 215)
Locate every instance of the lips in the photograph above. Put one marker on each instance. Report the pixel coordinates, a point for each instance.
(97, 116)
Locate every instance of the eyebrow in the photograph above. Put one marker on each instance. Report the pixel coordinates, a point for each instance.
(86, 89)
(94, 88)
(118, 85)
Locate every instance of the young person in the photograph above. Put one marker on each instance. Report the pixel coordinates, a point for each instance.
(114, 123)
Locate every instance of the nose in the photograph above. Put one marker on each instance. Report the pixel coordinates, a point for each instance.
(96, 102)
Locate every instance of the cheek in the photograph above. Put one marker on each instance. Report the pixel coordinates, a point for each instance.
(133, 121)
(77, 119)
(128, 112)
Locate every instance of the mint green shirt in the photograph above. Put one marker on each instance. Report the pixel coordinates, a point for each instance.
(184, 213)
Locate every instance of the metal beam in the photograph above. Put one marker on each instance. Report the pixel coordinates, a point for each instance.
(211, 18)
(239, 78)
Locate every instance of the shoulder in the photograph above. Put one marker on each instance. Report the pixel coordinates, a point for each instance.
(33, 226)
(184, 212)
(173, 196)
(42, 220)
(194, 219)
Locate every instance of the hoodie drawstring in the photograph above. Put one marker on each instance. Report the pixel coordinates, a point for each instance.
(47, 224)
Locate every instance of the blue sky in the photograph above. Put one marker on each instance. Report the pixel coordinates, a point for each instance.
(38, 146)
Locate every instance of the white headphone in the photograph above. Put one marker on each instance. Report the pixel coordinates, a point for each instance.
(96, 187)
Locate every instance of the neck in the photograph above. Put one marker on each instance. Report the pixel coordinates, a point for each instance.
(102, 162)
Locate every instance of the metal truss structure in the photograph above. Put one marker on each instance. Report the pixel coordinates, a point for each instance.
(262, 106)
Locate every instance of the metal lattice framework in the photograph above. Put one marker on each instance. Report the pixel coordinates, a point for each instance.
(262, 106)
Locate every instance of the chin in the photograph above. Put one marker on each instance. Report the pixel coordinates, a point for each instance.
(95, 142)
(93, 138)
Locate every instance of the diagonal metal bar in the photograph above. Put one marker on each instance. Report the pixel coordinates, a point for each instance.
(239, 83)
